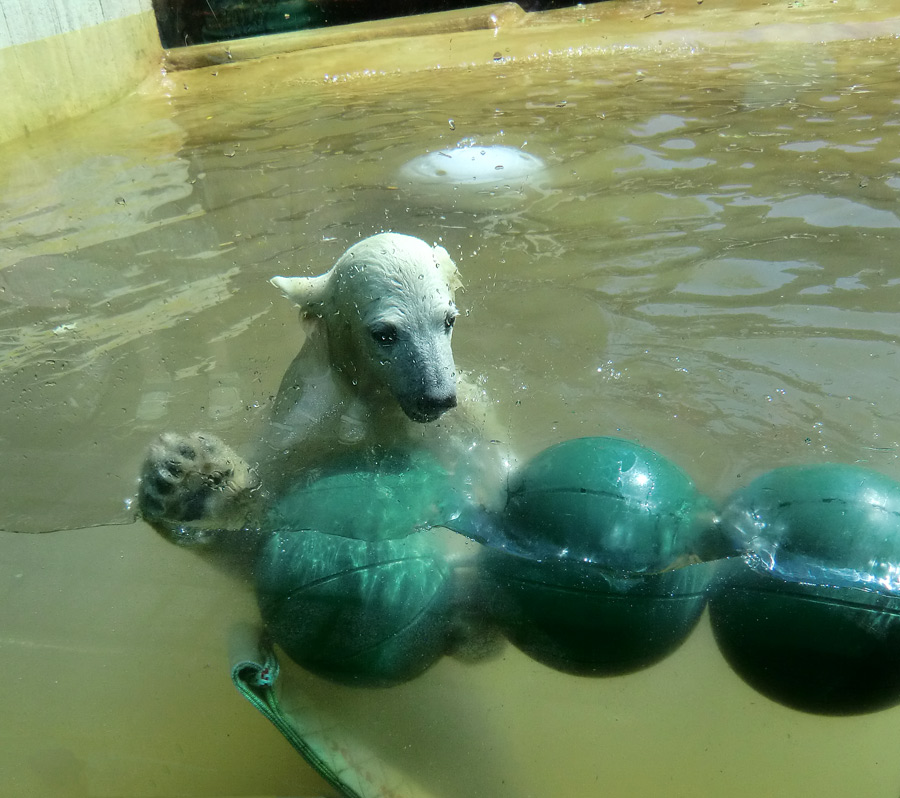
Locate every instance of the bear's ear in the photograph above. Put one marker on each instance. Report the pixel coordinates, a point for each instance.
(309, 293)
(447, 268)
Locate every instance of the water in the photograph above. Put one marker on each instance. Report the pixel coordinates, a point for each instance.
(706, 266)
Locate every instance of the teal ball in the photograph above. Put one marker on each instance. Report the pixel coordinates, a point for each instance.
(582, 621)
(810, 616)
(385, 497)
(606, 501)
(350, 583)
(594, 573)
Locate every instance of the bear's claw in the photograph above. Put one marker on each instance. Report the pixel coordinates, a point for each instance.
(194, 478)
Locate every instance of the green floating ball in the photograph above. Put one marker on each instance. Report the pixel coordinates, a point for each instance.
(607, 501)
(599, 530)
(811, 616)
(382, 499)
(348, 584)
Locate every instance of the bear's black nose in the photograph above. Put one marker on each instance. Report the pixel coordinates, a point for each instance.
(428, 408)
(442, 403)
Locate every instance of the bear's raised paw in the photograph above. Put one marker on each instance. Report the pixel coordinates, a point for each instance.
(192, 485)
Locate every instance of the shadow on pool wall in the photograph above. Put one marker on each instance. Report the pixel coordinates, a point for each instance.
(189, 22)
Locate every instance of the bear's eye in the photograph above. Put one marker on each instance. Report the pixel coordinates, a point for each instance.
(449, 321)
(384, 334)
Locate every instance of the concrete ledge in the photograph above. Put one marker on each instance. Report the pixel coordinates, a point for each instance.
(443, 22)
(505, 33)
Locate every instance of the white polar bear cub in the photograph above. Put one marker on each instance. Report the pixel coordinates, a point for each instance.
(383, 318)
(376, 371)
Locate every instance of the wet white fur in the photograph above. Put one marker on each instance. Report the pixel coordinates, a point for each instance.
(345, 389)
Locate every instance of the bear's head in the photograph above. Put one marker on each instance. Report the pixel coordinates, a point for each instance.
(387, 310)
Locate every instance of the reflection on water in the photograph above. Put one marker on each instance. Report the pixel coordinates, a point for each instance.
(705, 266)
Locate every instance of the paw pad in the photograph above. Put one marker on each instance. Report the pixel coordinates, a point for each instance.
(195, 478)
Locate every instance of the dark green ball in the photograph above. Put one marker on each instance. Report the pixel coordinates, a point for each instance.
(378, 498)
(811, 616)
(348, 584)
(581, 620)
(607, 501)
(596, 529)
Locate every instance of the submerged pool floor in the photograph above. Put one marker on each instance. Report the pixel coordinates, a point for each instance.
(706, 265)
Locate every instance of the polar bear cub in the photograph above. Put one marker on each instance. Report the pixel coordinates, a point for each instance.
(376, 370)
(381, 323)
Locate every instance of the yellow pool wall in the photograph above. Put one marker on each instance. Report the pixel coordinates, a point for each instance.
(48, 79)
(75, 71)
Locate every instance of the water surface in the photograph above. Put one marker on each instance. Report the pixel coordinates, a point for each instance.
(707, 266)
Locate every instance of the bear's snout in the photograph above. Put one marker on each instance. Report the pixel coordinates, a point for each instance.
(442, 403)
(428, 407)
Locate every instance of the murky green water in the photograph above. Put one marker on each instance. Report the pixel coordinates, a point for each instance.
(707, 266)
